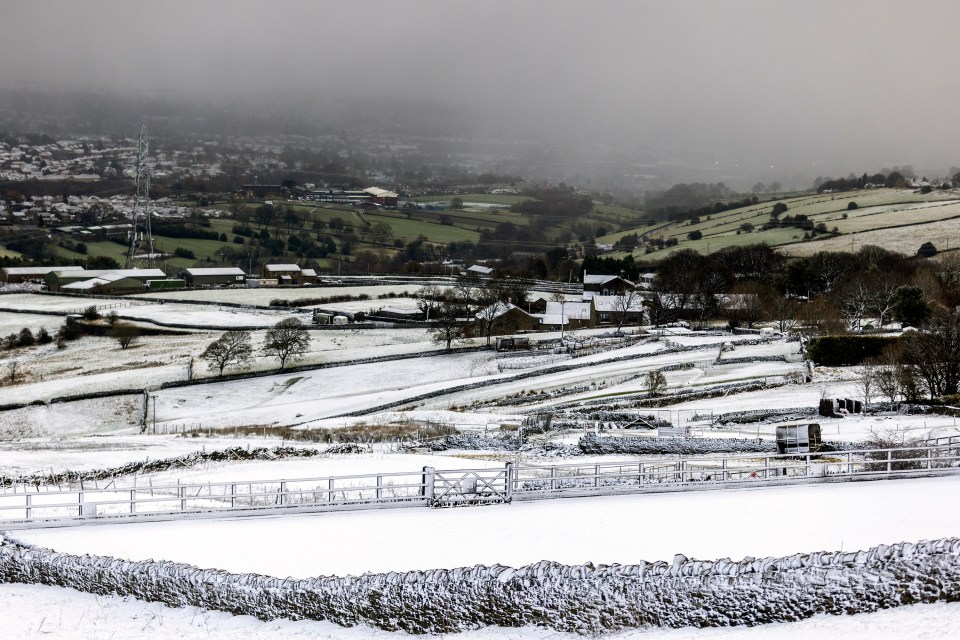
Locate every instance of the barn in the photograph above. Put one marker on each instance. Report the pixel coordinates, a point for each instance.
(213, 276)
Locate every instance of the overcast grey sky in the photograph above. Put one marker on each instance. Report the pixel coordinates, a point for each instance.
(849, 82)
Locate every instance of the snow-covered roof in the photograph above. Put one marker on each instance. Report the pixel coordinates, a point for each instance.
(614, 303)
(215, 271)
(477, 268)
(498, 308)
(282, 267)
(36, 271)
(309, 273)
(84, 285)
(123, 273)
(597, 279)
(377, 192)
(574, 310)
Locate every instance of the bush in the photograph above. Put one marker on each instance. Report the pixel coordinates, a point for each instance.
(180, 252)
(851, 205)
(694, 235)
(25, 338)
(43, 336)
(91, 313)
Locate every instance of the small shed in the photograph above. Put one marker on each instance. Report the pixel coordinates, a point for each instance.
(798, 438)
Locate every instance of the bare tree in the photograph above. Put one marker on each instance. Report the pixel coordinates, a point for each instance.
(655, 382)
(13, 371)
(491, 299)
(427, 297)
(447, 327)
(124, 334)
(782, 310)
(934, 353)
(233, 347)
(625, 303)
(866, 384)
(855, 300)
(287, 339)
(466, 288)
(883, 297)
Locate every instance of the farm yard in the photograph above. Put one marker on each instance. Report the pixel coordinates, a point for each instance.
(418, 408)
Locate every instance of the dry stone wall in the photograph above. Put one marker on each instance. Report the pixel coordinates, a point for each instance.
(585, 599)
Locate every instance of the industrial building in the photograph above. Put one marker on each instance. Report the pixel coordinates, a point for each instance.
(213, 276)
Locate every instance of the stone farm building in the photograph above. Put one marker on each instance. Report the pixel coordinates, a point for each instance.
(15, 275)
(604, 285)
(213, 276)
(287, 274)
(509, 318)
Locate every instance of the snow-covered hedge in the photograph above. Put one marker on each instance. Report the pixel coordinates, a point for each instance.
(584, 599)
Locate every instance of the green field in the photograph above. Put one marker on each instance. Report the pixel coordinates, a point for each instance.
(485, 198)
(876, 209)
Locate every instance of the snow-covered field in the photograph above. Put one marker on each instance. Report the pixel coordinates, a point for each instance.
(263, 296)
(771, 521)
(622, 529)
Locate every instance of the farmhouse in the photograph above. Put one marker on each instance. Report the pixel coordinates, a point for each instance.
(14, 275)
(617, 310)
(604, 285)
(211, 277)
(508, 318)
(284, 274)
(569, 315)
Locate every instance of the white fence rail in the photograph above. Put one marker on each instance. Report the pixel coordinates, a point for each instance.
(21, 508)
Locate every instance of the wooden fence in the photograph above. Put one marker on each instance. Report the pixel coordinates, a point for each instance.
(23, 507)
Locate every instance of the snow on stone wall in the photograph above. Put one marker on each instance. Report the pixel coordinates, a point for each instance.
(584, 599)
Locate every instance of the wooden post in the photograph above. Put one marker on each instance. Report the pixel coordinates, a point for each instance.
(330, 491)
(889, 460)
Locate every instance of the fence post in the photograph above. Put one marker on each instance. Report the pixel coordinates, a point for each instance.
(640, 473)
(80, 502)
(596, 475)
(182, 494)
(427, 479)
(723, 466)
(283, 491)
(29, 504)
(233, 496)
(379, 487)
(508, 482)
(133, 501)
(330, 494)
(553, 478)
(889, 460)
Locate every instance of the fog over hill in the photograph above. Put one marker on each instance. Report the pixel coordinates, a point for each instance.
(734, 91)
